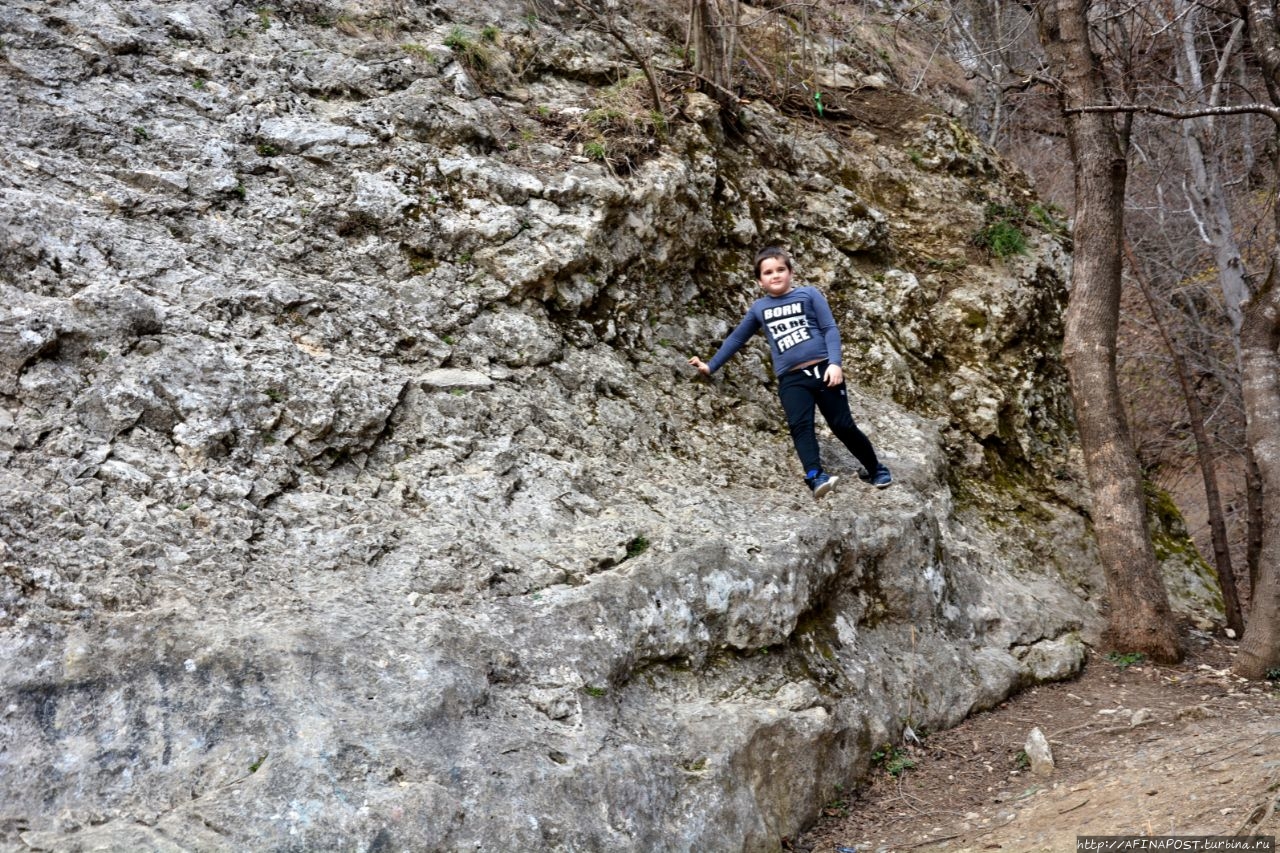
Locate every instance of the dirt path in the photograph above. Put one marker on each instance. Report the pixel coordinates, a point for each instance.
(1139, 749)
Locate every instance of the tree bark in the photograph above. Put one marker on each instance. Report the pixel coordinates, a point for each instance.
(1260, 365)
(1259, 339)
(1139, 618)
(712, 35)
(1254, 521)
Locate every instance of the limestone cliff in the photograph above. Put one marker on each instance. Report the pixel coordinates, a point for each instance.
(357, 494)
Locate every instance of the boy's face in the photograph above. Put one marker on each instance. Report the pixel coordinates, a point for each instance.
(775, 277)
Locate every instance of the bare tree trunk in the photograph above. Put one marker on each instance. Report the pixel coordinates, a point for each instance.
(1140, 618)
(1265, 40)
(1260, 366)
(1253, 521)
(1204, 453)
(1207, 193)
(1208, 201)
(985, 41)
(712, 34)
(1260, 337)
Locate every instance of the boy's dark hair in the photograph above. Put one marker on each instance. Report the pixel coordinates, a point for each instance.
(772, 252)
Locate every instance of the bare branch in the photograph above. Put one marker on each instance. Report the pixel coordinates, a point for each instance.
(732, 96)
(1272, 112)
(1029, 81)
(1224, 62)
(764, 15)
(611, 27)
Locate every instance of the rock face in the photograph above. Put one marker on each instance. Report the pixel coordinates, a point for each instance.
(357, 494)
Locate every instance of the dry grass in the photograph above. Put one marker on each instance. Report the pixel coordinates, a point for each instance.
(622, 127)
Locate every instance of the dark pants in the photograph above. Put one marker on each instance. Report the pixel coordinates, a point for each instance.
(800, 392)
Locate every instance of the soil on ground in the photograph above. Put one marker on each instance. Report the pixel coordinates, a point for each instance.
(1138, 749)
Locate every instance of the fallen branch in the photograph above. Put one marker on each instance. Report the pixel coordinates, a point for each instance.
(1270, 810)
(722, 90)
(1072, 729)
(929, 841)
(1079, 805)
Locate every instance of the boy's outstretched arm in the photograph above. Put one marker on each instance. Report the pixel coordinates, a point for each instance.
(737, 339)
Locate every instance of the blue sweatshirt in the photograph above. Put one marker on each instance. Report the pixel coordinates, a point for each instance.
(798, 325)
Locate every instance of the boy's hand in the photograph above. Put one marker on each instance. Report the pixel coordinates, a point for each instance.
(834, 376)
(700, 365)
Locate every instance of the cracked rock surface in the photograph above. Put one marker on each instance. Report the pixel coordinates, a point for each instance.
(356, 493)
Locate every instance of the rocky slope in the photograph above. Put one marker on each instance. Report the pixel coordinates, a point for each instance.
(356, 492)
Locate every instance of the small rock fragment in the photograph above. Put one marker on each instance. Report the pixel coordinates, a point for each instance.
(1038, 753)
(1140, 716)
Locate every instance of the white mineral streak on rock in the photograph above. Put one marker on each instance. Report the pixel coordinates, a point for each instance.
(449, 379)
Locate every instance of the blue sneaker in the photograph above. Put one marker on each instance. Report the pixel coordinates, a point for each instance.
(820, 482)
(881, 479)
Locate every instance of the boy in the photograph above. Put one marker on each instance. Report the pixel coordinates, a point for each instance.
(805, 345)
